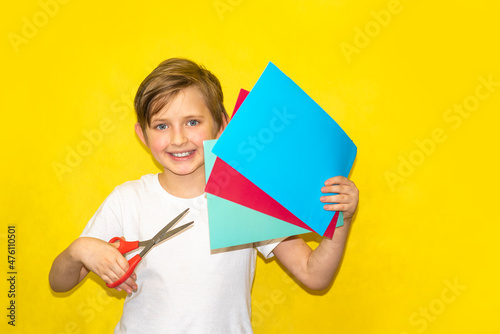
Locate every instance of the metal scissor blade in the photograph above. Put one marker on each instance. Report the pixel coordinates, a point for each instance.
(174, 231)
(162, 232)
(166, 235)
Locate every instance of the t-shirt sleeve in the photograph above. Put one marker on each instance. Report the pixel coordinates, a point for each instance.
(106, 222)
(266, 247)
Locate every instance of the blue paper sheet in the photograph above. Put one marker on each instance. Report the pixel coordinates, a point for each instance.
(287, 145)
(231, 224)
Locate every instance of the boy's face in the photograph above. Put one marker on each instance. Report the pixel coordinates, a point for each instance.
(177, 132)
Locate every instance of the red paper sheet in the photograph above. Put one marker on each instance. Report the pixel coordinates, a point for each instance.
(227, 183)
(241, 97)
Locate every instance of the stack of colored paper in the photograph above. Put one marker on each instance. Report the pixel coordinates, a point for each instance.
(265, 172)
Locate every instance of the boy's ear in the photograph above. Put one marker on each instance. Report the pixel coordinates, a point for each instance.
(140, 134)
(223, 126)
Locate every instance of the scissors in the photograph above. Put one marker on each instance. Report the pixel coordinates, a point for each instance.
(127, 246)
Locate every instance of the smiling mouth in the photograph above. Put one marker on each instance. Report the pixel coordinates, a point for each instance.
(182, 154)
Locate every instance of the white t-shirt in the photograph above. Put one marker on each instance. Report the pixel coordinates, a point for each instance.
(183, 286)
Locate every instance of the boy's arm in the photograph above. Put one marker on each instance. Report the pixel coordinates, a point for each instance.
(89, 254)
(66, 272)
(315, 269)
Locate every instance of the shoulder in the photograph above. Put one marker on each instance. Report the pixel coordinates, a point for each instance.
(147, 181)
(135, 189)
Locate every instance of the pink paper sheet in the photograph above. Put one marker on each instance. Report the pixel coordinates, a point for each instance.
(241, 97)
(227, 183)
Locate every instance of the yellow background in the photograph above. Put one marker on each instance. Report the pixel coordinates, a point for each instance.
(75, 70)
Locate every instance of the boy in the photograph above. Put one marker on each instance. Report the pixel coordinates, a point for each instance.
(181, 286)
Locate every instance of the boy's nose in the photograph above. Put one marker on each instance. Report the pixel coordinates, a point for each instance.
(178, 137)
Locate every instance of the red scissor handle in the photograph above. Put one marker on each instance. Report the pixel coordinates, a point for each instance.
(133, 262)
(125, 246)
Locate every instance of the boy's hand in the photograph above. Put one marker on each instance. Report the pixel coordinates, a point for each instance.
(106, 261)
(346, 199)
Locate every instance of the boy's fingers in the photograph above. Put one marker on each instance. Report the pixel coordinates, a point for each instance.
(116, 244)
(336, 207)
(114, 271)
(341, 181)
(131, 282)
(335, 199)
(340, 189)
(337, 180)
(129, 285)
(123, 263)
(334, 189)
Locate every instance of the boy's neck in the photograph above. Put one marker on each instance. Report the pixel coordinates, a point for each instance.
(183, 186)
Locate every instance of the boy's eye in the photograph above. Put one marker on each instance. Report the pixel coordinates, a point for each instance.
(193, 122)
(161, 126)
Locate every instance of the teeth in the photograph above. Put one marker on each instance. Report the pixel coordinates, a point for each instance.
(183, 154)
